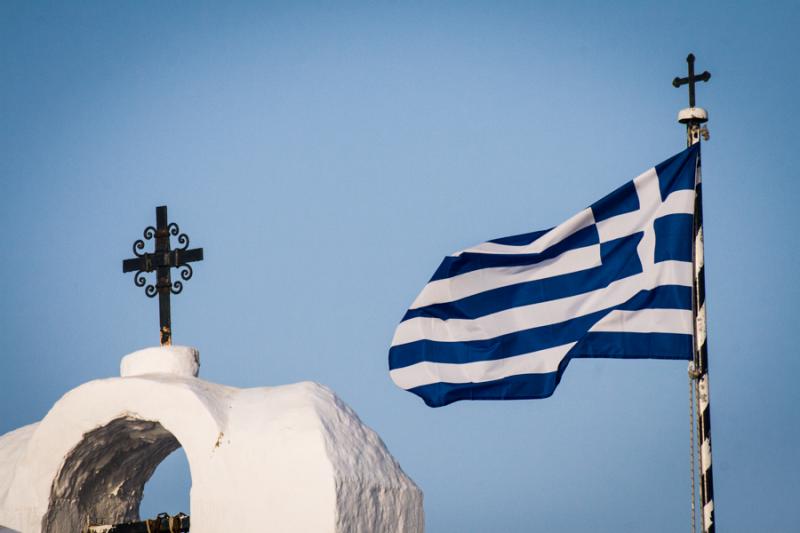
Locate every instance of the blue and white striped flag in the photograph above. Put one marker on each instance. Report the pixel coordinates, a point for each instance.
(502, 320)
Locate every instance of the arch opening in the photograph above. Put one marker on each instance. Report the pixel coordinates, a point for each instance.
(167, 490)
(102, 479)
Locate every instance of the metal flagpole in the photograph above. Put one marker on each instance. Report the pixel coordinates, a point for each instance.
(694, 118)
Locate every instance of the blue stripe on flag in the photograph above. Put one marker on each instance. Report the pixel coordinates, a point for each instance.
(519, 342)
(470, 261)
(623, 200)
(662, 297)
(619, 260)
(677, 172)
(617, 345)
(520, 240)
(519, 387)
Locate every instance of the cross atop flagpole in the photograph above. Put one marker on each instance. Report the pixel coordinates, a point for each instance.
(694, 118)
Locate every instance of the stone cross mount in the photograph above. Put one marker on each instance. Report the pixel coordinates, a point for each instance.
(691, 79)
(161, 261)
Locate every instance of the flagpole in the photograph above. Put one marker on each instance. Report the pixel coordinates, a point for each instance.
(694, 118)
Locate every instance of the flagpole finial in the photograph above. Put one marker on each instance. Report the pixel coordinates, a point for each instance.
(693, 116)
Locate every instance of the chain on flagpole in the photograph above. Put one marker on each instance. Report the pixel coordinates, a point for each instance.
(694, 118)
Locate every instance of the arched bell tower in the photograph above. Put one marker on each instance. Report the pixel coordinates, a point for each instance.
(294, 453)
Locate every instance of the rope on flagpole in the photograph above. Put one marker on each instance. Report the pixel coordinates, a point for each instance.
(691, 447)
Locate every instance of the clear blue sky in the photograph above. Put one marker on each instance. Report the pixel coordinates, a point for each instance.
(327, 156)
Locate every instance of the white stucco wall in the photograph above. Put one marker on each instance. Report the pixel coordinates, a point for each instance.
(283, 459)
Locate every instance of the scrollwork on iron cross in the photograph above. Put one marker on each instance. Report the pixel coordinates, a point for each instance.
(161, 261)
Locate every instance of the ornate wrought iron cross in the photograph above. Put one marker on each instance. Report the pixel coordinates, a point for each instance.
(691, 79)
(161, 261)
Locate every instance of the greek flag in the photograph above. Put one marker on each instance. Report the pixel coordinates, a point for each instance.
(501, 320)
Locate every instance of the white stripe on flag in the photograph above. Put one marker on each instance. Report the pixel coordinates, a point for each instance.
(559, 233)
(647, 321)
(426, 372)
